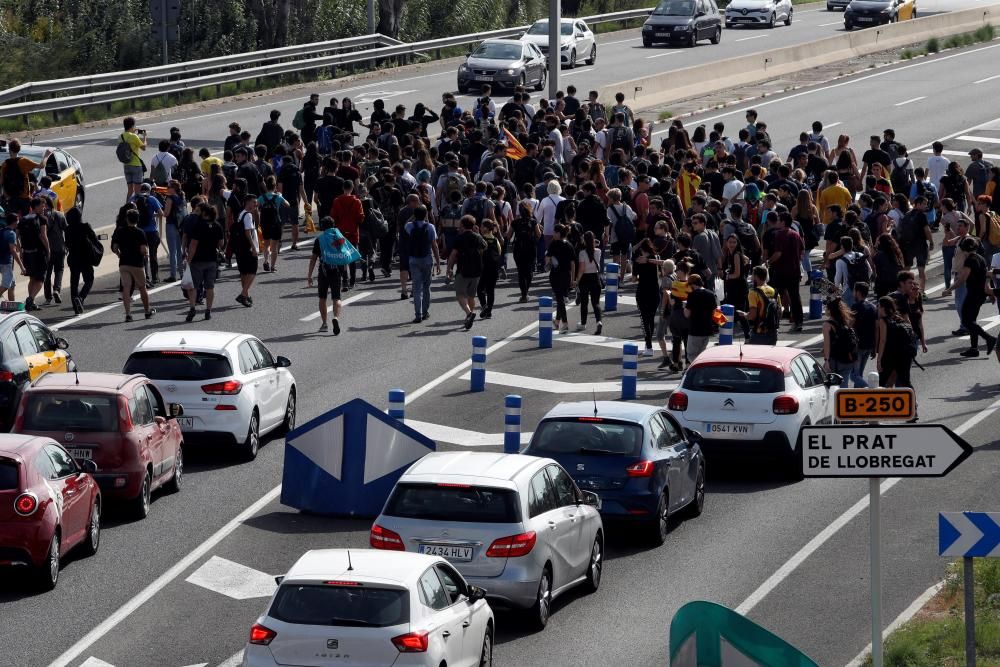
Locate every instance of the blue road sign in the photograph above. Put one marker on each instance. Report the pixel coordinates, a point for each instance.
(969, 534)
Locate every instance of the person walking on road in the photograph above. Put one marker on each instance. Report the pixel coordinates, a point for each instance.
(80, 243)
(699, 310)
(10, 254)
(424, 261)
(173, 213)
(680, 288)
(895, 351)
(243, 240)
(56, 264)
(135, 143)
(33, 237)
(525, 231)
(588, 279)
(465, 265)
(330, 277)
(130, 244)
(207, 238)
(865, 324)
(150, 222)
(492, 258)
(348, 214)
(270, 211)
(764, 314)
(560, 260)
(840, 341)
(975, 276)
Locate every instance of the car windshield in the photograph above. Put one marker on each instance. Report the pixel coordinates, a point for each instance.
(181, 366)
(735, 379)
(675, 8)
(8, 476)
(353, 606)
(70, 412)
(453, 502)
(585, 436)
(495, 51)
(542, 28)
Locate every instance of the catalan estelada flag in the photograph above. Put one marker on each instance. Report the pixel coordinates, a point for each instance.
(515, 151)
(687, 185)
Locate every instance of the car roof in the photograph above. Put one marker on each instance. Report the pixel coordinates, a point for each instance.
(84, 381)
(391, 567)
(512, 42)
(633, 412)
(474, 467)
(768, 355)
(208, 341)
(562, 20)
(15, 445)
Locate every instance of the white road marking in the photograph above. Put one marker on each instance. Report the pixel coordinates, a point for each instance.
(106, 180)
(905, 102)
(747, 39)
(989, 78)
(985, 140)
(827, 126)
(988, 156)
(823, 25)
(329, 309)
(372, 95)
(988, 123)
(824, 535)
(94, 662)
(559, 387)
(232, 579)
(662, 55)
(161, 582)
(578, 71)
(461, 436)
(620, 41)
(905, 616)
(234, 660)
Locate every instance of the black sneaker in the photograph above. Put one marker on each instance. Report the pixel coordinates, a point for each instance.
(128, 318)
(208, 314)
(150, 313)
(961, 331)
(336, 327)
(240, 299)
(78, 306)
(56, 297)
(190, 315)
(267, 267)
(523, 299)
(417, 320)
(486, 314)
(664, 364)
(403, 296)
(469, 319)
(990, 344)
(971, 352)
(425, 315)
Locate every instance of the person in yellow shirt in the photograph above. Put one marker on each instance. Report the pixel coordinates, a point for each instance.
(207, 160)
(833, 193)
(762, 316)
(134, 168)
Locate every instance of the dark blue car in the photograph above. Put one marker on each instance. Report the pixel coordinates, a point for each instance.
(644, 466)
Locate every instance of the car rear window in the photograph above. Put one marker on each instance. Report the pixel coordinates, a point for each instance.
(180, 365)
(47, 411)
(453, 502)
(587, 436)
(735, 379)
(354, 606)
(8, 476)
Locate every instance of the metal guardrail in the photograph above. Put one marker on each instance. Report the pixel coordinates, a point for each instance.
(309, 60)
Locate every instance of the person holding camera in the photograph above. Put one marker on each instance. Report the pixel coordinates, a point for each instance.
(134, 168)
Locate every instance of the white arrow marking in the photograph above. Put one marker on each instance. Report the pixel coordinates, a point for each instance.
(94, 662)
(460, 436)
(371, 96)
(232, 579)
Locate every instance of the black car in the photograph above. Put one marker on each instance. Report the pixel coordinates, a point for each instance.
(683, 22)
(866, 13)
(28, 350)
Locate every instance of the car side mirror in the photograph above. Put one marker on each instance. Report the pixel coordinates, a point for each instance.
(88, 466)
(62, 343)
(590, 498)
(175, 409)
(279, 579)
(282, 362)
(833, 379)
(476, 593)
(692, 437)
(699, 15)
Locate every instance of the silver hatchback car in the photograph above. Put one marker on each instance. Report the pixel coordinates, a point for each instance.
(515, 525)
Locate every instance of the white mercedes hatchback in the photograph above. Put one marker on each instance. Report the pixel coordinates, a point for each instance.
(233, 389)
(365, 607)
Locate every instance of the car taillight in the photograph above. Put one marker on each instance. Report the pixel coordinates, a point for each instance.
(124, 417)
(26, 504)
(512, 546)
(411, 642)
(785, 405)
(640, 469)
(383, 538)
(678, 401)
(6, 376)
(261, 635)
(228, 388)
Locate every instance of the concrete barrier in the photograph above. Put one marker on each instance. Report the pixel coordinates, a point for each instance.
(687, 82)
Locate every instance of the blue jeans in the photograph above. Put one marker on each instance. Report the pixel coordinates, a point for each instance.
(175, 254)
(420, 276)
(948, 255)
(843, 370)
(858, 372)
(960, 293)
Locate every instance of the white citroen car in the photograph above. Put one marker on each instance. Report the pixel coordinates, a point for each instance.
(233, 389)
(576, 41)
(367, 607)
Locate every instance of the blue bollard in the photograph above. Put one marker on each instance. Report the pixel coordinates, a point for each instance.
(815, 298)
(726, 330)
(611, 288)
(478, 375)
(397, 402)
(545, 321)
(630, 369)
(512, 424)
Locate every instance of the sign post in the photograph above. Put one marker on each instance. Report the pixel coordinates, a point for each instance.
(875, 451)
(969, 535)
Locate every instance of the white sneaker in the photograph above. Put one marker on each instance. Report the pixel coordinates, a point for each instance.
(564, 329)
(648, 352)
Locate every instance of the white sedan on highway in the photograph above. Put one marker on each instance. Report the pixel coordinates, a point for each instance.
(233, 389)
(576, 41)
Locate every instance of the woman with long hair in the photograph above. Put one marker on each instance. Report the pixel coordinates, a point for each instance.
(522, 236)
(588, 279)
(645, 269)
(173, 211)
(845, 161)
(894, 345)
(840, 342)
(734, 268)
(698, 139)
(807, 215)
(310, 171)
(887, 263)
(956, 187)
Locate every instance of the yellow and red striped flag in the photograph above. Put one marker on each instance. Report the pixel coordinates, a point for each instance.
(515, 151)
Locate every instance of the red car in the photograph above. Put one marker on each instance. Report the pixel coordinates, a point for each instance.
(118, 422)
(48, 506)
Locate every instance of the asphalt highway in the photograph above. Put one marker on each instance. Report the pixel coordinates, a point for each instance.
(791, 555)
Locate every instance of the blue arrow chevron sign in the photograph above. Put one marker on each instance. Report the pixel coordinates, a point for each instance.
(969, 534)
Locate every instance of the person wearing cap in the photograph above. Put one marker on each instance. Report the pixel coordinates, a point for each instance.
(9, 254)
(978, 172)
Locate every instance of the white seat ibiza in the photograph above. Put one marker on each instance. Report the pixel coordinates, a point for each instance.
(366, 607)
(233, 389)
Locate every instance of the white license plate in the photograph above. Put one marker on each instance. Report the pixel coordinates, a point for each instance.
(729, 429)
(461, 554)
(864, 19)
(80, 453)
(663, 34)
(185, 422)
(482, 77)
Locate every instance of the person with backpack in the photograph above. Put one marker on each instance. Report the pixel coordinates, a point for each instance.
(914, 237)
(174, 209)
(329, 252)
(130, 244)
(525, 232)
(10, 254)
(270, 133)
(477, 204)
(764, 314)
(620, 136)
(560, 261)
(245, 246)
(852, 269)
(623, 230)
(786, 263)
(150, 222)
(840, 341)
(14, 173)
(33, 238)
(56, 265)
(492, 257)
(895, 351)
(465, 266)
(130, 143)
(83, 252)
(987, 225)
(975, 275)
(207, 238)
(922, 187)
(424, 261)
(865, 315)
(162, 165)
(699, 309)
(901, 172)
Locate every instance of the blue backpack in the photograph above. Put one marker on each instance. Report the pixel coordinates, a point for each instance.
(335, 250)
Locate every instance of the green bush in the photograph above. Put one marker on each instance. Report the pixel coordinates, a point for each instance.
(933, 45)
(906, 54)
(985, 33)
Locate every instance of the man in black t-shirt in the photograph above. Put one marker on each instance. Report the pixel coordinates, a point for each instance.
(129, 243)
(467, 256)
(207, 238)
(329, 186)
(874, 155)
(699, 309)
(835, 231)
(290, 187)
(560, 259)
(32, 233)
(974, 274)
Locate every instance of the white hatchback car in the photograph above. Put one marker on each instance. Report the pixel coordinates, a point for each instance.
(752, 400)
(367, 607)
(576, 41)
(758, 13)
(232, 388)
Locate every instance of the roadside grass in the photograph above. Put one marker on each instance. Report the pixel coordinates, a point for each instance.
(935, 637)
(984, 33)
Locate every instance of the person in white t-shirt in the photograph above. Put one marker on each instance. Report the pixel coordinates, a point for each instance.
(545, 212)
(619, 212)
(601, 139)
(732, 186)
(169, 164)
(937, 165)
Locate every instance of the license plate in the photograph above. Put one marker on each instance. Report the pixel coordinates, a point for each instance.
(462, 554)
(731, 429)
(80, 453)
(864, 19)
(185, 422)
(482, 77)
(663, 34)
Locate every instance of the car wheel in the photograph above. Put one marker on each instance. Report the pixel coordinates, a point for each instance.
(697, 504)
(463, 89)
(174, 485)
(93, 541)
(289, 423)
(543, 601)
(647, 44)
(829, 7)
(717, 37)
(252, 443)
(486, 656)
(596, 567)
(522, 80)
(48, 572)
(660, 526)
(572, 60)
(848, 27)
(771, 21)
(593, 55)
(788, 19)
(80, 197)
(793, 467)
(542, 80)
(140, 504)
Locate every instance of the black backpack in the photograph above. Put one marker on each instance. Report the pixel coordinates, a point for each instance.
(142, 205)
(619, 139)
(14, 181)
(238, 242)
(374, 224)
(900, 338)
(906, 231)
(901, 177)
(269, 211)
(526, 242)
(771, 319)
(858, 270)
(624, 228)
(477, 208)
(470, 260)
(748, 241)
(843, 344)
(929, 193)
